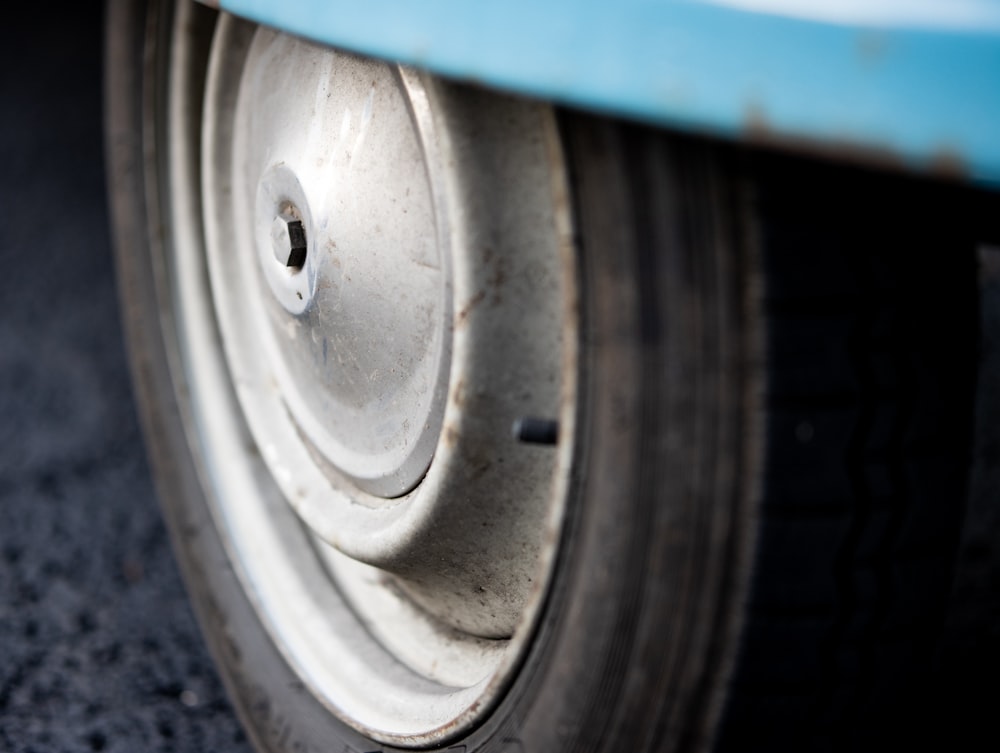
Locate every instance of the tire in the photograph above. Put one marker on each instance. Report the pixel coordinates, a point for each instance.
(873, 359)
(763, 446)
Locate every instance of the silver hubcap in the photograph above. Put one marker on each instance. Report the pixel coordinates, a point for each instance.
(353, 337)
(390, 267)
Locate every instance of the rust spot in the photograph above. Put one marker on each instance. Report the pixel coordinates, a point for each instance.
(481, 469)
(948, 163)
(458, 394)
(551, 537)
(450, 436)
(755, 120)
(463, 314)
(944, 162)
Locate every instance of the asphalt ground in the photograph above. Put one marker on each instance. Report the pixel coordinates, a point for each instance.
(99, 650)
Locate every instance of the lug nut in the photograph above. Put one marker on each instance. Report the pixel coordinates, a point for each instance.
(288, 240)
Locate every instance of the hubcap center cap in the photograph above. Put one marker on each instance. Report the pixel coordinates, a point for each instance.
(356, 275)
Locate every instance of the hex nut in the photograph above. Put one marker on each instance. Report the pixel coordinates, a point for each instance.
(288, 238)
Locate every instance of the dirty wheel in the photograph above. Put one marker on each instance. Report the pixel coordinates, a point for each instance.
(476, 422)
(372, 386)
(373, 298)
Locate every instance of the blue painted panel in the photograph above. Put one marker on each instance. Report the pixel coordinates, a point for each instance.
(904, 80)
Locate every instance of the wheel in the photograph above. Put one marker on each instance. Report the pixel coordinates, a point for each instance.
(484, 426)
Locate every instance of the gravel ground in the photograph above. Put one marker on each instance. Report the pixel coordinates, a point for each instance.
(98, 648)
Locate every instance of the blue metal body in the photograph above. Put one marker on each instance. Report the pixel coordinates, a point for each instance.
(915, 82)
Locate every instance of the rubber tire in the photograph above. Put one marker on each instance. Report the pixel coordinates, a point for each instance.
(872, 312)
(686, 561)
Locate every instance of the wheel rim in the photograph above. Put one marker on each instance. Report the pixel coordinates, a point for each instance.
(400, 565)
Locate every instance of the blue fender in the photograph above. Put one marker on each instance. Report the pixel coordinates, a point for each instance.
(910, 82)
